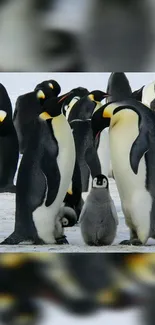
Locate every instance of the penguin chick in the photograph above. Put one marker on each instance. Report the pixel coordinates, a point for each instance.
(98, 218)
(66, 217)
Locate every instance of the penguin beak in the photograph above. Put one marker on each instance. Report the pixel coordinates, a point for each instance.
(40, 94)
(51, 86)
(2, 115)
(64, 97)
(108, 111)
(45, 116)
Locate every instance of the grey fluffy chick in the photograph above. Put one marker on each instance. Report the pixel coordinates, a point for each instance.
(98, 219)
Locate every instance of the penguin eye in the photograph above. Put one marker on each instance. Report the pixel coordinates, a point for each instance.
(105, 183)
(94, 182)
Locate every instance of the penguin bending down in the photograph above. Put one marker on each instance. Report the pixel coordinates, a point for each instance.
(29, 106)
(9, 152)
(44, 177)
(98, 218)
(132, 141)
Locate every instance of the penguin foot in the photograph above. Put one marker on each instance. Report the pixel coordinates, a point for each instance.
(62, 240)
(135, 242)
(15, 239)
(125, 242)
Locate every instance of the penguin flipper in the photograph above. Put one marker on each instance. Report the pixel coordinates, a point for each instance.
(138, 149)
(137, 94)
(93, 162)
(51, 171)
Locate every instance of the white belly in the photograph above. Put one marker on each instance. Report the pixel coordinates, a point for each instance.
(45, 217)
(104, 152)
(136, 200)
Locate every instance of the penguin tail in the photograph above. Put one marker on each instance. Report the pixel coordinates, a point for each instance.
(15, 239)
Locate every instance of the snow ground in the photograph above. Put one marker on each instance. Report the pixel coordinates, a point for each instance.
(76, 244)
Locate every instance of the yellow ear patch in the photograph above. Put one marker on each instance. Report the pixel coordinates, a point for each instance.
(91, 97)
(51, 86)
(40, 94)
(108, 296)
(108, 111)
(70, 192)
(45, 116)
(6, 300)
(12, 260)
(3, 115)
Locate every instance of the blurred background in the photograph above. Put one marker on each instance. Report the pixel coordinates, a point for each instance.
(40, 288)
(71, 35)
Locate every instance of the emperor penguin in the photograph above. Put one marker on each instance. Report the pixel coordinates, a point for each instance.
(43, 178)
(132, 141)
(9, 152)
(29, 106)
(98, 219)
(82, 130)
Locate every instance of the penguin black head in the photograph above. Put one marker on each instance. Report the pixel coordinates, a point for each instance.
(118, 86)
(52, 108)
(47, 89)
(74, 96)
(100, 181)
(97, 95)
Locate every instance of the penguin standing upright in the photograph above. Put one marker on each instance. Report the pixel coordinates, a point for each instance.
(9, 152)
(9, 149)
(132, 142)
(82, 130)
(98, 218)
(29, 106)
(44, 177)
